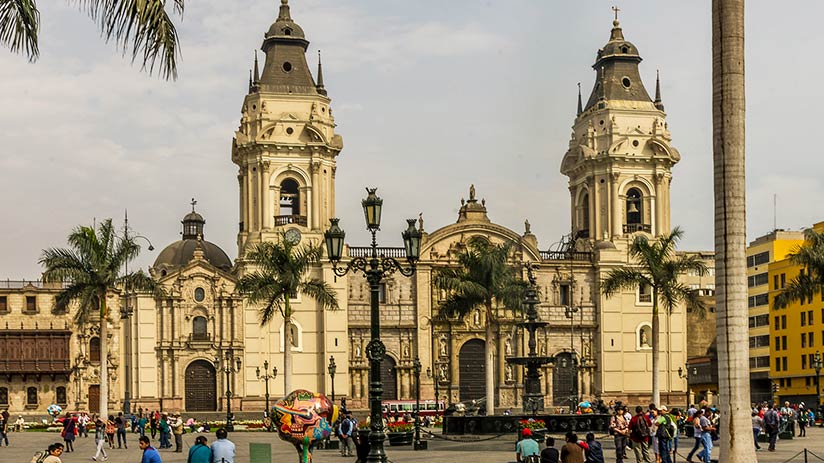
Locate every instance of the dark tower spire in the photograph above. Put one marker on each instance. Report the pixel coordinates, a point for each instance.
(320, 87)
(250, 81)
(580, 105)
(257, 72)
(658, 103)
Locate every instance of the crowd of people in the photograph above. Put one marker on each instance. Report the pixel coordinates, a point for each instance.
(149, 425)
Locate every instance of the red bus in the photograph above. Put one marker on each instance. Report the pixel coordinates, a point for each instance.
(402, 407)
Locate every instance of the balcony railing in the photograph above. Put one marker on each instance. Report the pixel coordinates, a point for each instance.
(281, 220)
(566, 255)
(366, 251)
(46, 366)
(200, 337)
(637, 227)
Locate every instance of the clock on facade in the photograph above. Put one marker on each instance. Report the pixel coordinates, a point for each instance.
(293, 235)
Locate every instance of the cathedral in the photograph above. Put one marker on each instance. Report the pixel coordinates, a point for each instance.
(183, 351)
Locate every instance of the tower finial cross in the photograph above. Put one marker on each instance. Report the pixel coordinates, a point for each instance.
(193, 203)
(616, 10)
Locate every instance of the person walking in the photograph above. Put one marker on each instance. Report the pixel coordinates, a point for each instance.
(594, 452)
(4, 429)
(120, 423)
(619, 426)
(177, 429)
(707, 428)
(164, 432)
(550, 454)
(345, 431)
(527, 449)
(223, 450)
(802, 420)
(665, 430)
(150, 454)
(571, 452)
(200, 452)
(771, 424)
(69, 431)
(639, 435)
(757, 426)
(696, 432)
(100, 439)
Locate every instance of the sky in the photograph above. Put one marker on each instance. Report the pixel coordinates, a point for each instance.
(429, 96)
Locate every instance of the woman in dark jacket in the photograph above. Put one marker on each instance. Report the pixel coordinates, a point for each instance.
(69, 431)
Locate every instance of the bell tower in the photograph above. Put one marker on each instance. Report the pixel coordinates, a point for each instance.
(286, 146)
(619, 159)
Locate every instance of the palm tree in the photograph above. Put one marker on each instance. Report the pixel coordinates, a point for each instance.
(91, 268)
(280, 276)
(810, 257)
(140, 27)
(728, 107)
(486, 278)
(658, 268)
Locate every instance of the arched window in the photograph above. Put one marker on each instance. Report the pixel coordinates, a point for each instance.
(60, 394)
(94, 349)
(199, 329)
(4, 396)
(635, 207)
(289, 197)
(31, 396)
(583, 227)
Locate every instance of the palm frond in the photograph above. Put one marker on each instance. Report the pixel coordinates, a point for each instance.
(19, 27)
(620, 279)
(142, 25)
(321, 292)
(800, 288)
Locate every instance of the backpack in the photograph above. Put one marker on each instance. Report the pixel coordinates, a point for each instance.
(641, 428)
(40, 456)
(664, 431)
(532, 459)
(771, 421)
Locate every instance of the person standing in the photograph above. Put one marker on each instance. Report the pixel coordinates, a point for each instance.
(345, 430)
(153, 424)
(4, 430)
(526, 447)
(82, 422)
(802, 421)
(639, 435)
(771, 424)
(177, 429)
(620, 433)
(594, 452)
(665, 430)
(571, 452)
(223, 450)
(100, 439)
(200, 452)
(141, 424)
(550, 453)
(706, 436)
(150, 454)
(69, 431)
(110, 430)
(120, 423)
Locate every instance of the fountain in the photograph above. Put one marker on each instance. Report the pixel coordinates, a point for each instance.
(533, 398)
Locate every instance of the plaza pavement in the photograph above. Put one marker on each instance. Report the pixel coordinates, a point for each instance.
(498, 450)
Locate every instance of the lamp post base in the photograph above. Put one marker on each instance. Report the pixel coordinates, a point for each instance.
(421, 445)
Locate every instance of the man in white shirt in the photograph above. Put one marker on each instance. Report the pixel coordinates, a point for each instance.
(223, 450)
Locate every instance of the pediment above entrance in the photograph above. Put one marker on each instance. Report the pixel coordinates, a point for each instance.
(446, 242)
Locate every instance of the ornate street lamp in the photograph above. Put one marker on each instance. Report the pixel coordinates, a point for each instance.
(228, 368)
(375, 268)
(126, 312)
(684, 374)
(416, 369)
(332, 370)
(817, 364)
(266, 376)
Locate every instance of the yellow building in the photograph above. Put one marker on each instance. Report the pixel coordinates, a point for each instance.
(796, 333)
(761, 252)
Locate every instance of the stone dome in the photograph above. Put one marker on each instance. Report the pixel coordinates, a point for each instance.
(284, 26)
(180, 253)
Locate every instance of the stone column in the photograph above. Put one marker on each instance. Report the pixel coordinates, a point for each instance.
(314, 191)
(709, 397)
(659, 222)
(241, 209)
(265, 195)
(595, 210)
(617, 212)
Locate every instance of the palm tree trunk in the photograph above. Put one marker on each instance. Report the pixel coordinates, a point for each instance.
(104, 358)
(656, 350)
(730, 230)
(490, 362)
(287, 348)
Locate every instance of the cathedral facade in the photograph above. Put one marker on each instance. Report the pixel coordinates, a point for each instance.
(184, 350)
